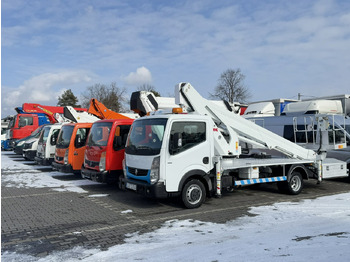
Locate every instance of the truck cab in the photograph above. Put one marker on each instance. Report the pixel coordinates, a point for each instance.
(70, 147)
(47, 144)
(105, 150)
(23, 125)
(162, 152)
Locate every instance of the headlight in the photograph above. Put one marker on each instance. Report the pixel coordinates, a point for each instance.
(28, 145)
(102, 164)
(20, 143)
(154, 175)
(65, 159)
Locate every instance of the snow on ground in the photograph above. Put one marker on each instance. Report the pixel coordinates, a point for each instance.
(23, 175)
(311, 230)
(99, 195)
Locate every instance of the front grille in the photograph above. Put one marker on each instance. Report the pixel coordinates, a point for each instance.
(137, 171)
(91, 163)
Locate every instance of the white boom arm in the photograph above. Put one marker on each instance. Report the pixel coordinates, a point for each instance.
(238, 128)
(143, 102)
(78, 117)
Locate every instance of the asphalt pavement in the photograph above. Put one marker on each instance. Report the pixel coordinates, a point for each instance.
(38, 221)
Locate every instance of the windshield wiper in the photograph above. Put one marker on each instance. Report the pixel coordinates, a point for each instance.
(144, 147)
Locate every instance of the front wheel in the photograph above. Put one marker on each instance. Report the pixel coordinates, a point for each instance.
(193, 193)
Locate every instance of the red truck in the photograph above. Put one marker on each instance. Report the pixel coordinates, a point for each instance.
(104, 151)
(29, 117)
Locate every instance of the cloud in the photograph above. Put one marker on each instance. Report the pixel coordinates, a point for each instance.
(42, 89)
(141, 76)
(279, 45)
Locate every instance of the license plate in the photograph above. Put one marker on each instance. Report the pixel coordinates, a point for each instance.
(131, 186)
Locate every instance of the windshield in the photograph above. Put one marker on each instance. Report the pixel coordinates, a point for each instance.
(37, 131)
(99, 134)
(64, 136)
(146, 137)
(44, 134)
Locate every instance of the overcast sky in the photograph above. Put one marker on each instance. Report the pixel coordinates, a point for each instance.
(282, 47)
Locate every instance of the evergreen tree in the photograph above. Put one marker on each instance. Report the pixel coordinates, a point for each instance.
(68, 99)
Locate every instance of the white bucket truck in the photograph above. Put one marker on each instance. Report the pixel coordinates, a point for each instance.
(199, 153)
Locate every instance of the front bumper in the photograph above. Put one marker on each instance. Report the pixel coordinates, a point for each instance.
(29, 154)
(18, 150)
(101, 177)
(8, 144)
(62, 167)
(43, 161)
(156, 190)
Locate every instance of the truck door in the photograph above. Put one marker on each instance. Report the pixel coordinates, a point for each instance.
(79, 147)
(188, 150)
(26, 125)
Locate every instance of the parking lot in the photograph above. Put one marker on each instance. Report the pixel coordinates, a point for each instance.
(39, 220)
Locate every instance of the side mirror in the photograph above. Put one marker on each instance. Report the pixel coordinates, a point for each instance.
(78, 141)
(53, 140)
(176, 142)
(118, 143)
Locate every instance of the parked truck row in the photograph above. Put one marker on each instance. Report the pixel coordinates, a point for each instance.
(193, 148)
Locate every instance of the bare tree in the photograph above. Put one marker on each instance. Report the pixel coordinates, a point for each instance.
(111, 96)
(149, 88)
(231, 87)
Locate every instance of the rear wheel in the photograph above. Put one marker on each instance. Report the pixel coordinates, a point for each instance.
(193, 193)
(295, 184)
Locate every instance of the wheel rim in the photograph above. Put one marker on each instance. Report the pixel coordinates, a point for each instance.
(194, 194)
(295, 183)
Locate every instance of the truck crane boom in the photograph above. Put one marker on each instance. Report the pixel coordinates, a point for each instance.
(50, 111)
(78, 117)
(144, 102)
(238, 128)
(101, 111)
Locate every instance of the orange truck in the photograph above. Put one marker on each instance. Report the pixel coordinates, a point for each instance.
(70, 147)
(104, 152)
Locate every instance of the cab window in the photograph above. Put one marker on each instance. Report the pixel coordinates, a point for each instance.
(25, 121)
(82, 133)
(185, 135)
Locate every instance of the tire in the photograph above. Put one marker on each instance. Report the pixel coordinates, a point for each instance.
(193, 194)
(295, 184)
